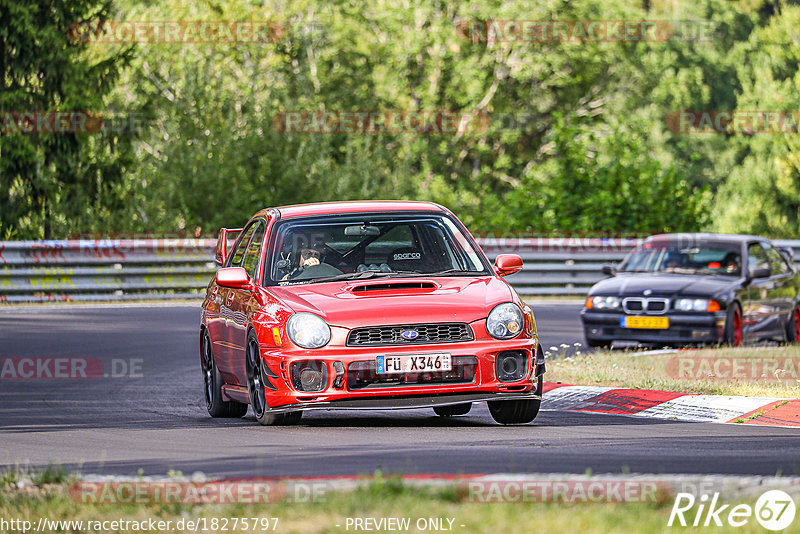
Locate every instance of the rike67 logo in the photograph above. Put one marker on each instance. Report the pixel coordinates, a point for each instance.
(774, 510)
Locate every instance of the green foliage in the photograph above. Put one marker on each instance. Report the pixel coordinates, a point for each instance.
(51, 475)
(52, 184)
(762, 194)
(601, 181)
(573, 136)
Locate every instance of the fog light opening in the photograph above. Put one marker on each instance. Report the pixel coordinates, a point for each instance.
(511, 365)
(309, 375)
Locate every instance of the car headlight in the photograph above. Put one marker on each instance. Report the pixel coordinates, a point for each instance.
(603, 302)
(504, 321)
(693, 305)
(308, 330)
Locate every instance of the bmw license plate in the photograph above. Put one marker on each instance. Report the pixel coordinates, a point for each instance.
(414, 363)
(656, 323)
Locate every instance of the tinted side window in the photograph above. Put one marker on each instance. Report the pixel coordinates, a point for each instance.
(254, 251)
(241, 247)
(757, 258)
(776, 261)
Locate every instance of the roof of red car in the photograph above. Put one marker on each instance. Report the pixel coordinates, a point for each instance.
(361, 206)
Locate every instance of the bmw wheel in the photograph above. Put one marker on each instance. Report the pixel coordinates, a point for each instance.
(793, 326)
(733, 326)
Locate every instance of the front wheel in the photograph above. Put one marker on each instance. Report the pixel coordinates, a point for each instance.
(733, 326)
(255, 387)
(514, 412)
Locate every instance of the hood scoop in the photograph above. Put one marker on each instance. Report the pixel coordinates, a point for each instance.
(394, 286)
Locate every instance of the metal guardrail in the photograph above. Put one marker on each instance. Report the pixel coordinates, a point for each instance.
(132, 269)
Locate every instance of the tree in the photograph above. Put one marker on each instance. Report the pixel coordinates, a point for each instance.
(52, 184)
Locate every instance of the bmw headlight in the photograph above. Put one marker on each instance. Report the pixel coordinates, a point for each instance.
(504, 321)
(605, 303)
(691, 304)
(308, 330)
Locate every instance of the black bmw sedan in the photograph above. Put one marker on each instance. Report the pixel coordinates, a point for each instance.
(680, 289)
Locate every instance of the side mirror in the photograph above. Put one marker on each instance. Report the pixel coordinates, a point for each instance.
(233, 277)
(507, 264)
(609, 270)
(761, 272)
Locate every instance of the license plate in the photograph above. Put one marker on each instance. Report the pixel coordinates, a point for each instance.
(656, 323)
(414, 363)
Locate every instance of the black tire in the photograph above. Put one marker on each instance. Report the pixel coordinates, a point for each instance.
(793, 326)
(514, 412)
(517, 412)
(733, 326)
(453, 410)
(255, 387)
(212, 382)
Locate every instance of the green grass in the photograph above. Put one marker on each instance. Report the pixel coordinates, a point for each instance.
(380, 497)
(777, 373)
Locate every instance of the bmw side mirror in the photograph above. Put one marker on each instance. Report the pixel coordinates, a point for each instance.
(761, 272)
(234, 278)
(609, 270)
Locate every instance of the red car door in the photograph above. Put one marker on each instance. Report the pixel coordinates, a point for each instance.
(243, 304)
(226, 348)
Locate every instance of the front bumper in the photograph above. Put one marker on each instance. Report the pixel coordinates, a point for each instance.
(684, 328)
(404, 402)
(483, 385)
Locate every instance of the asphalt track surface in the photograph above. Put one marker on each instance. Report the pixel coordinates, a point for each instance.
(155, 421)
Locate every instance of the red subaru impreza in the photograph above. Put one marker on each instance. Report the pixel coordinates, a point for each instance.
(365, 305)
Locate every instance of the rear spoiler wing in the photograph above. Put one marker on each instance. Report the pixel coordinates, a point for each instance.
(225, 236)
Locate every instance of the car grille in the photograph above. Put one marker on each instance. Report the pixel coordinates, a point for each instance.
(653, 305)
(425, 333)
(363, 374)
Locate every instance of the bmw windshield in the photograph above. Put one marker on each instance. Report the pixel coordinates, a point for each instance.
(708, 258)
(323, 249)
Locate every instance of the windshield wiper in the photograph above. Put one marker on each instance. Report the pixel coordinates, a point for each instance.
(452, 271)
(363, 275)
(344, 276)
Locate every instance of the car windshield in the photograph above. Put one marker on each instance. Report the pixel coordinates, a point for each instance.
(698, 258)
(376, 245)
